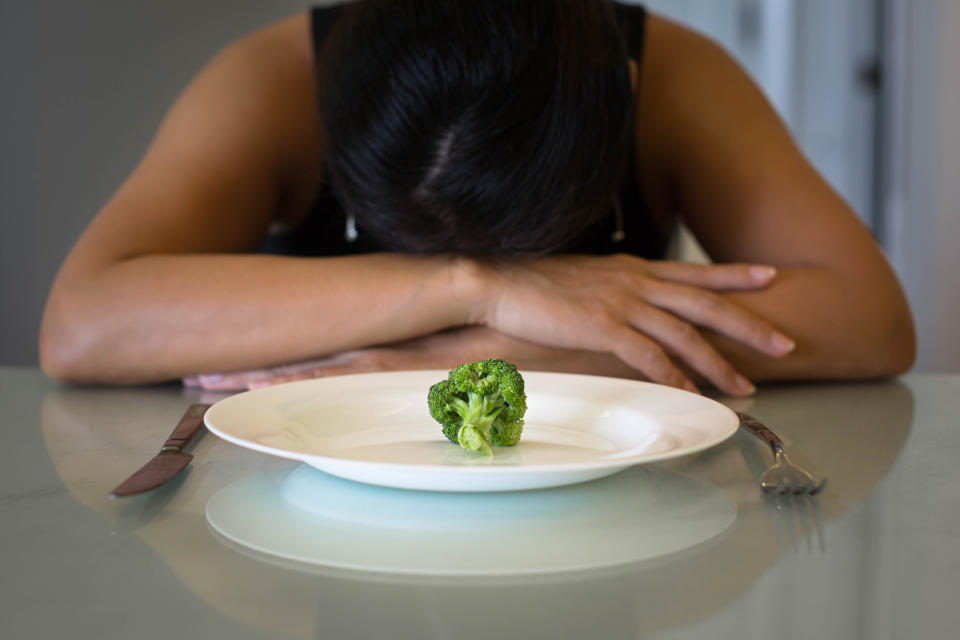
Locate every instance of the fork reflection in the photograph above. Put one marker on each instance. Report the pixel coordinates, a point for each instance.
(797, 521)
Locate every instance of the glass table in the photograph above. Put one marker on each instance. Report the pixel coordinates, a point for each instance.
(688, 548)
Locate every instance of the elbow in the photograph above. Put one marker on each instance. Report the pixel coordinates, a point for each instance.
(64, 345)
(71, 354)
(880, 328)
(892, 349)
(900, 337)
(80, 342)
(58, 353)
(54, 361)
(901, 346)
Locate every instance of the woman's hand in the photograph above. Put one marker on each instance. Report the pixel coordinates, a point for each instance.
(644, 312)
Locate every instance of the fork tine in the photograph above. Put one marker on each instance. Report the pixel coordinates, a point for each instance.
(818, 488)
(784, 485)
(767, 484)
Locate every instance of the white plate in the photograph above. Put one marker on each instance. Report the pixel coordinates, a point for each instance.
(376, 428)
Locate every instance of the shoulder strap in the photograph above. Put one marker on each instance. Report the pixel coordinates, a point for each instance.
(633, 18)
(322, 20)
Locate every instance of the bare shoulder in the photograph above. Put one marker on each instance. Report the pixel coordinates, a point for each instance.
(275, 68)
(238, 148)
(688, 75)
(692, 92)
(279, 54)
(668, 42)
(725, 160)
(268, 76)
(674, 64)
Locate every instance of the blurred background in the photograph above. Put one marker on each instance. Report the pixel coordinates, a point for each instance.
(869, 89)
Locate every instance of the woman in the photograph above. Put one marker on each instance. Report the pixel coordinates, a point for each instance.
(481, 178)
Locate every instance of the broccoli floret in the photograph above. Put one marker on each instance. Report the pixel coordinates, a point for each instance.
(479, 404)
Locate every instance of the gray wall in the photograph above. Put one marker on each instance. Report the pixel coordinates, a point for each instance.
(83, 86)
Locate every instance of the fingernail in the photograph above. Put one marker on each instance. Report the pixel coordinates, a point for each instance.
(744, 386)
(763, 273)
(258, 384)
(210, 377)
(782, 344)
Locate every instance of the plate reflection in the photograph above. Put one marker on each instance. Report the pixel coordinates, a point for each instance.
(313, 519)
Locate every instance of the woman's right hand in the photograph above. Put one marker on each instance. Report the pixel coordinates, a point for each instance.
(644, 312)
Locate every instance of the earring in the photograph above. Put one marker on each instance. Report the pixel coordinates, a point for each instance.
(618, 234)
(350, 231)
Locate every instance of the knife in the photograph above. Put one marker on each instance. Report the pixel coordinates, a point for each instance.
(170, 461)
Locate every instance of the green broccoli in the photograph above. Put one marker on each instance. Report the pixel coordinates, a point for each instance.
(480, 403)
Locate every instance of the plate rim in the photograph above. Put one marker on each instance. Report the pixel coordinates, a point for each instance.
(442, 469)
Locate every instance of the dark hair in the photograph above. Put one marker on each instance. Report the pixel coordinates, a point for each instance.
(475, 126)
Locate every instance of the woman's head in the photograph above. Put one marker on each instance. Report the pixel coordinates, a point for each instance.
(475, 126)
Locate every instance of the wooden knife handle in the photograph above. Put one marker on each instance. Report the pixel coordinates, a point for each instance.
(758, 429)
(188, 427)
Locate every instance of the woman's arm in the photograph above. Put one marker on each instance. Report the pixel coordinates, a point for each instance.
(156, 287)
(738, 181)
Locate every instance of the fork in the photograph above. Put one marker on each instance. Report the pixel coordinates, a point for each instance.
(782, 476)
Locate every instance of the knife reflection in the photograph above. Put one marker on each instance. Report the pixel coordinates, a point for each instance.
(170, 461)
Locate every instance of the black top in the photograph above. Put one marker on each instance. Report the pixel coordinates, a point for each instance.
(322, 233)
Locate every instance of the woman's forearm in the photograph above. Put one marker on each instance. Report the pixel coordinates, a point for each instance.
(847, 321)
(843, 329)
(160, 317)
(844, 326)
